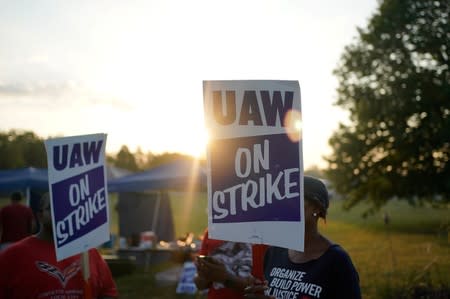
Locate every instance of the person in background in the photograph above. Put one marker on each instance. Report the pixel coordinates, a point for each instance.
(323, 270)
(225, 268)
(28, 268)
(16, 221)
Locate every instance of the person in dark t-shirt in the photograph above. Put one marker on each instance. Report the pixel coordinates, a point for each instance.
(324, 270)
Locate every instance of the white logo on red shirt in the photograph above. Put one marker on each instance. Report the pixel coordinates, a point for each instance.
(63, 276)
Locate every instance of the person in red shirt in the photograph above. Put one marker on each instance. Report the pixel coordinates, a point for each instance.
(29, 269)
(228, 268)
(16, 221)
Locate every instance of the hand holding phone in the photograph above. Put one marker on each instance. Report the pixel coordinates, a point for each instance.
(205, 258)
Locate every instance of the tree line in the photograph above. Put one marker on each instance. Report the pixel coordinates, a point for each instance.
(20, 149)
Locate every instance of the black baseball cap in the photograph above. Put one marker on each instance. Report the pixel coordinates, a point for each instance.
(316, 190)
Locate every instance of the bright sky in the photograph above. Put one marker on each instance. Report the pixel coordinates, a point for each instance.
(134, 69)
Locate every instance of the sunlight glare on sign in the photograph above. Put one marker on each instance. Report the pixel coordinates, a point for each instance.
(294, 125)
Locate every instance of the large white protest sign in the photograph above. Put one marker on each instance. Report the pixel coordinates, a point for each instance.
(255, 167)
(78, 192)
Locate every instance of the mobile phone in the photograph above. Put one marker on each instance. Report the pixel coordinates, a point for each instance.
(205, 258)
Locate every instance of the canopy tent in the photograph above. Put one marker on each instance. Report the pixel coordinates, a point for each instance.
(141, 212)
(113, 172)
(140, 194)
(178, 175)
(36, 179)
(33, 182)
(23, 179)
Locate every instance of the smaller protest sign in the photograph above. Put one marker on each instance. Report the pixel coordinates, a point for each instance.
(78, 192)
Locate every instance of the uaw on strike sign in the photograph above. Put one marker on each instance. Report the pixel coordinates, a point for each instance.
(255, 167)
(78, 191)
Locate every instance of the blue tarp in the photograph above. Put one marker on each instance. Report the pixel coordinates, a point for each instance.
(36, 179)
(22, 179)
(178, 175)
